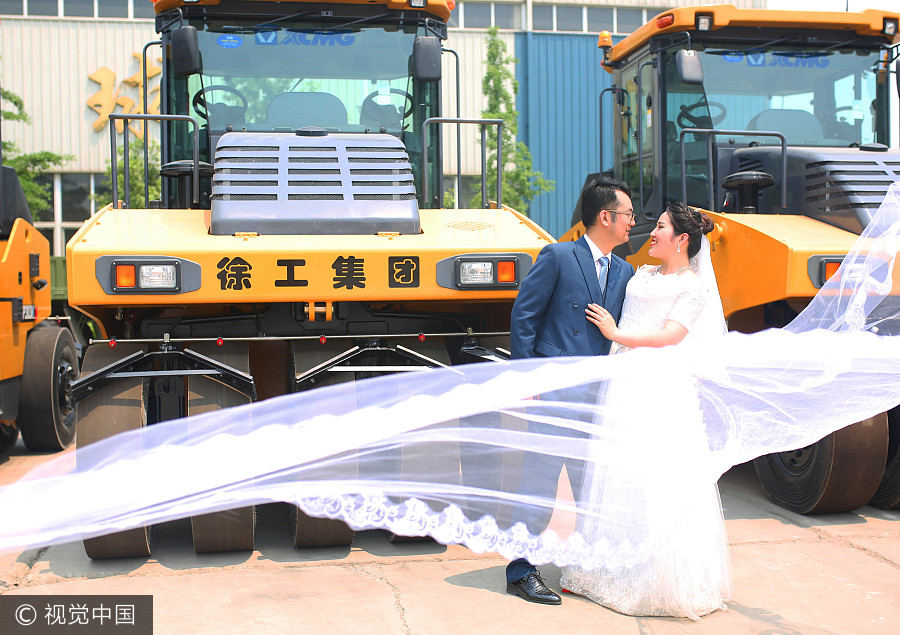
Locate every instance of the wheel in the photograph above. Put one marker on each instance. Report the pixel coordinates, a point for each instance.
(319, 532)
(232, 529)
(201, 106)
(46, 416)
(888, 494)
(307, 530)
(840, 473)
(8, 436)
(113, 409)
(686, 118)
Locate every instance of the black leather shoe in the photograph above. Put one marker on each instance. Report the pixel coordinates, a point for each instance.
(533, 589)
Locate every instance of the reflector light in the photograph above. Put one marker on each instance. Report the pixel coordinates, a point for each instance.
(417, 4)
(506, 271)
(704, 22)
(665, 20)
(476, 272)
(158, 276)
(125, 276)
(831, 269)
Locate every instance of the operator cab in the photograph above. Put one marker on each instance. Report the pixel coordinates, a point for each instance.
(713, 137)
(350, 70)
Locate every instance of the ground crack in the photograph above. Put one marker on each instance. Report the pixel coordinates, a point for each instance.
(378, 575)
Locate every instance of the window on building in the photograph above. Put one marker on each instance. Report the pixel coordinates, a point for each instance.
(483, 15)
(453, 21)
(113, 8)
(46, 215)
(12, 7)
(74, 198)
(143, 9)
(43, 7)
(601, 19)
(578, 19)
(78, 8)
(477, 15)
(569, 18)
(542, 17)
(629, 20)
(507, 16)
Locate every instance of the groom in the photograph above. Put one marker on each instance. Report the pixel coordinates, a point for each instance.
(564, 277)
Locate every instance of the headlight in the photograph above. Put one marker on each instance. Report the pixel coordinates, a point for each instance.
(157, 277)
(476, 273)
(890, 27)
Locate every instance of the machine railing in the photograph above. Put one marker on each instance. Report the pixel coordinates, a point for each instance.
(709, 133)
(114, 163)
(483, 123)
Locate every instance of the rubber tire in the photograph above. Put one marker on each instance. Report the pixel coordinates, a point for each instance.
(46, 417)
(8, 437)
(232, 529)
(888, 494)
(308, 531)
(118, 407)
(840, 473)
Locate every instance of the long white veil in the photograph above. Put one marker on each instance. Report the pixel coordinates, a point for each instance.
(441, 452)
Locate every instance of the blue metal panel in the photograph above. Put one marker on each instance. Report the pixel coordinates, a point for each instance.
(560, 79)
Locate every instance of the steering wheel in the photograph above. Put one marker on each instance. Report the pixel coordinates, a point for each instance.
(686, 120)
(201, 106)
(369, 101)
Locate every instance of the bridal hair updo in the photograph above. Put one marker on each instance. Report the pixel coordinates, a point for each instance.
(687, 220)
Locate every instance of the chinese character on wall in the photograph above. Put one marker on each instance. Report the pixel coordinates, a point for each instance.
(122, 96)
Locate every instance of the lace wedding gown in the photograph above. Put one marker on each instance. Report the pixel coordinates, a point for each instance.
(668, 551)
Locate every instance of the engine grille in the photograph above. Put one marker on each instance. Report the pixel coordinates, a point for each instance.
(849, 183)
(280, 183)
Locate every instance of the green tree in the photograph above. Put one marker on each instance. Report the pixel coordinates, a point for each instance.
(135, 174)
(28, 166)
(520, 182)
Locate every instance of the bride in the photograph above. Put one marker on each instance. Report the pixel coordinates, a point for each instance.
(672, 552)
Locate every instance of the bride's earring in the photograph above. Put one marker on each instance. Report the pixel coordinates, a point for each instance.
(678, 249)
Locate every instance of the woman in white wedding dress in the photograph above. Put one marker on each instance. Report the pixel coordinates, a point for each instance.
(658, 510)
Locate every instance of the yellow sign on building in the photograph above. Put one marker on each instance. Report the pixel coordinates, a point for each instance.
(112, 96)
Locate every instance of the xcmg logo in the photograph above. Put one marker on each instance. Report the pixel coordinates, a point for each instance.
(777, 59)
(306, 38)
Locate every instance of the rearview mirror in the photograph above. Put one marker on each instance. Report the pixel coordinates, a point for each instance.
(690, 70)
(426, 58)
(185, 51)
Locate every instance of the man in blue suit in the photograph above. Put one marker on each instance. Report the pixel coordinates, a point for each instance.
(548, 320)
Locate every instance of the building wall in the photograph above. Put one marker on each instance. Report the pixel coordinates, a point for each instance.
(49, 63)
(560, 80)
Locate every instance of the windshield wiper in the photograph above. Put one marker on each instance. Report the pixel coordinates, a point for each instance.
(361, 20)
(252, 29)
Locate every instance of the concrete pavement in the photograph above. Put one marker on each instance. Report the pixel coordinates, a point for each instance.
(792, 574)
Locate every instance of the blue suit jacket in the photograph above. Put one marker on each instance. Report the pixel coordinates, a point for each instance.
(548, 318)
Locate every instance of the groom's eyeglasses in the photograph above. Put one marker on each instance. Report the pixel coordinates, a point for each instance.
(630, 215)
